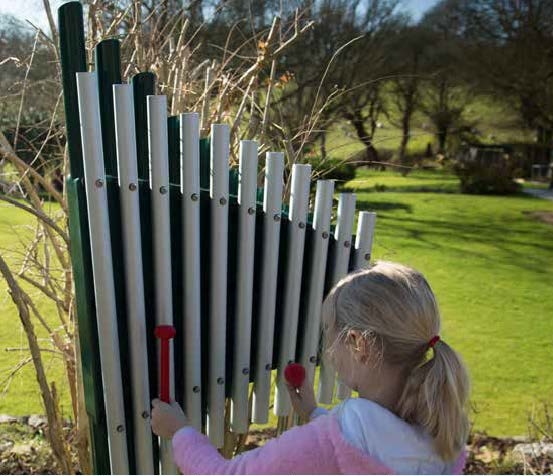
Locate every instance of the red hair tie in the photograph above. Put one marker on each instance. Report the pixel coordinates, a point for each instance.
(433, 342)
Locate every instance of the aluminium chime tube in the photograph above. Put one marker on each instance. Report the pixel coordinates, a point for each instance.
(159, 189)
(190, 188)
(125, 137)
(102, 266)
(247, 195)
(364, 239)
(272, 205)
(342, 235)
(299, 207)
(321, 229)
(361, 259)
(219, 193)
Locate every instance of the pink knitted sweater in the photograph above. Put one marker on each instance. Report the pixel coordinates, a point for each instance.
(315, 448)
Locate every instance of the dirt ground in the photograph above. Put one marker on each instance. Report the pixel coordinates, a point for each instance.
(24, 450)
(546, 217)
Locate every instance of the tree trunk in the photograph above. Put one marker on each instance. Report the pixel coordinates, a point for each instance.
(405, 129)
(364, 136)
(323, 145)
(409, 107)
(442, 140)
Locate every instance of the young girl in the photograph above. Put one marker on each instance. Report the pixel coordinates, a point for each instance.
(382, 329)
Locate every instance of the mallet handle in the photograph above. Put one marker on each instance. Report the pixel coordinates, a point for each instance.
(165, 334)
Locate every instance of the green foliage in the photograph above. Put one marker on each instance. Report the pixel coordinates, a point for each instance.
(487, 173)
(332, 169)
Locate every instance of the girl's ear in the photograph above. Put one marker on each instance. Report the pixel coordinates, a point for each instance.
(357, 344)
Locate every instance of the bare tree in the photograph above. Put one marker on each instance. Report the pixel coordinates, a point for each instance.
(410, 57)
(508, 49)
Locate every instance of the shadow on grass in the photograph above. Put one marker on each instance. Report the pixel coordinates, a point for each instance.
(515, 246)
(377, 188)
(384, 206)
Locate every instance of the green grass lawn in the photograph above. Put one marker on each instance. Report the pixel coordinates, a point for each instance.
(535, 185)
(490, 264)
(491, 267)
(19, 395)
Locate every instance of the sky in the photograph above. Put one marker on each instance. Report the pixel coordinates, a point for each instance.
(33, 10)
(416, 7)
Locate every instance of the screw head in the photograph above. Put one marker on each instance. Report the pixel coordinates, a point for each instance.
(367, 256)
(99, 183)
(220, 380)
(196, 389)
(251, 210)
(120, 428)
(194, 197)
(325, 235)
(245, 371)
(276, 217)
(145, 415)
(223, 201)
(268, 367)
(347, 244)
(163, 190)
(313, 359)
(301, 225)
(132, 187)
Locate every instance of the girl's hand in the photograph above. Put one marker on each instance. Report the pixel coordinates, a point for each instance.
(303, 399)
(167, 419)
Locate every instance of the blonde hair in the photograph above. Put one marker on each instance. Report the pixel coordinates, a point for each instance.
(394, 305)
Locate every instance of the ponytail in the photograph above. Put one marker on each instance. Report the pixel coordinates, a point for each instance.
(435, 398)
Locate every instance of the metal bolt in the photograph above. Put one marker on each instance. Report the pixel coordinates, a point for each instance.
(276, 217)
(223, 201)
(132, 187)
(99, 183)
(220, 380)
(301, 225)
(347, 244)
(325, 235)
(163, 190)
(251, 210)
(245, 371)
(120, 428)
(145, 415)
(194, 197)
(367, 256)
(313, 359)
(290, 362)
(268, 367)
(196, 389)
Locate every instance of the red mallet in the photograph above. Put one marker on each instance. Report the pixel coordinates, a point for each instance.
(294, 374)
(165, 334)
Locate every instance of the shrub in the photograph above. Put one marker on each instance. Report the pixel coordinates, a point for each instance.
(333, 169)
(486, 171)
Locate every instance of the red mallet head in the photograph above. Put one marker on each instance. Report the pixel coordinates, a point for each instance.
(165, 332)
(294, 374)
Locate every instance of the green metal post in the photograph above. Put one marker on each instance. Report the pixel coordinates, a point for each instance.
(108, 69)
(143, 85)
(73, 60)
